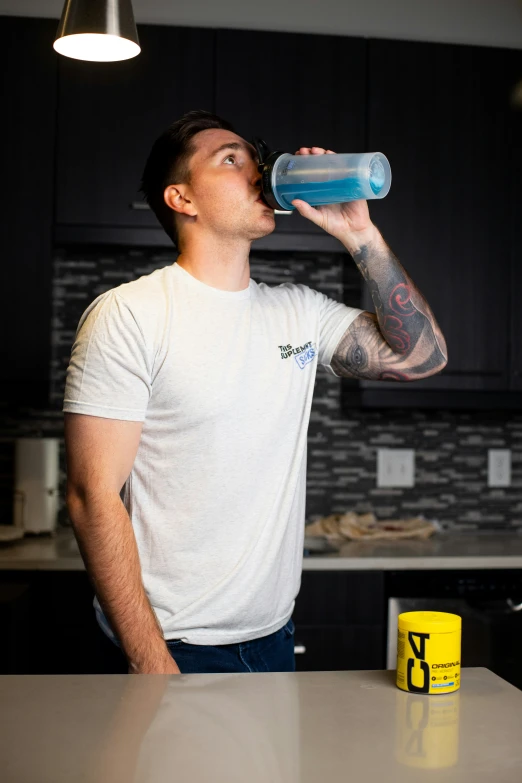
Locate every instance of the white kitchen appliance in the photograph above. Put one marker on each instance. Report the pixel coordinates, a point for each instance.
(35, 502)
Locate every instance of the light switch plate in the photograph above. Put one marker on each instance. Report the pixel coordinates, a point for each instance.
(395, 467)
(499, 467)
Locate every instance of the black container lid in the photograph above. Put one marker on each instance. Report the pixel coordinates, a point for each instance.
(267, 161)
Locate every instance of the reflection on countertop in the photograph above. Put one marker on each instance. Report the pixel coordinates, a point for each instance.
(59, 552)
(282, 728)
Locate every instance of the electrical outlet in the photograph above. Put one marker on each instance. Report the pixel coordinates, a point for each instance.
(395, 467)
(499, 467)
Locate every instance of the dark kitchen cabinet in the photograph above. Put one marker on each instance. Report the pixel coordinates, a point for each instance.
(515, 58)
(443, 116)
(15, 615)
(49, 626)
(342, 648)
(293, 90)
(27, 132)
(340, 621)
(109, 115)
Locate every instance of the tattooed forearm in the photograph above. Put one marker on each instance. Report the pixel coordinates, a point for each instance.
(402, 341)
(364, 353)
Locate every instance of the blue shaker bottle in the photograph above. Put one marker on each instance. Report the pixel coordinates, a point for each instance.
(321, 179)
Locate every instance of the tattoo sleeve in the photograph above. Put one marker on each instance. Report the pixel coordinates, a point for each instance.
(402, 340)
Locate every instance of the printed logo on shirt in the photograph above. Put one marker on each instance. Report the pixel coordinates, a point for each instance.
(303, 354)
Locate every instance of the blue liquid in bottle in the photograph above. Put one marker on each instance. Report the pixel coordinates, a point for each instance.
(334, 191)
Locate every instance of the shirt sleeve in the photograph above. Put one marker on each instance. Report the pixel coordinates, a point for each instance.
(108, 373)
(334, 320)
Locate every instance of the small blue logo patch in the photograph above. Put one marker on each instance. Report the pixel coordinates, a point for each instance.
(305, 357)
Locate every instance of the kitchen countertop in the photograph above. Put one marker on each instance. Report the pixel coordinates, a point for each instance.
(261, 728)
(443, 551)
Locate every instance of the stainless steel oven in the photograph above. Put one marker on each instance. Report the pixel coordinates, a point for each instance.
(489, 602)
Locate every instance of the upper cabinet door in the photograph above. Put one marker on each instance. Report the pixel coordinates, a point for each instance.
(293, 90)
(515, 168)
(442, 115)
(27, 132)
(109, 115)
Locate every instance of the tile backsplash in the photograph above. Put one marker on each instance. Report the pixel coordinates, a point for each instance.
(451, 446)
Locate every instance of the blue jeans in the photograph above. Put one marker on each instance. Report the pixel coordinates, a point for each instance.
(273, 653)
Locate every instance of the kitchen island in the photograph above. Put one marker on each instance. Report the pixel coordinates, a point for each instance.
(272, 728)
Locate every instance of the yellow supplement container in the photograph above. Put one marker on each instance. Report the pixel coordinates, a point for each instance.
(428, 652)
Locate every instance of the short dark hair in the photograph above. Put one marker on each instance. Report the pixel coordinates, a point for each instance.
(168, 162)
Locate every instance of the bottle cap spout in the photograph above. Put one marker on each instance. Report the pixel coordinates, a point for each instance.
(262, 151)
(265, 167)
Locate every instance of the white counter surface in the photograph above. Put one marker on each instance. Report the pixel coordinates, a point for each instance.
(449, 551)
(441, 551)
(261, 728)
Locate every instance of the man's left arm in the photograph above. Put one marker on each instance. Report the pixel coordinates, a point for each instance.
(402, 341)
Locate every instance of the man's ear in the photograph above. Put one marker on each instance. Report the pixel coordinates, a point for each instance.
(176, 197)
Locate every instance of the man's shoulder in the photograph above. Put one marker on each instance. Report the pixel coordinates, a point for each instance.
(144, 300)
(145, 291)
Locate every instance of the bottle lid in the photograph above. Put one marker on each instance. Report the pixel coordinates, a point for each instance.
(429, 622)
(267, 160)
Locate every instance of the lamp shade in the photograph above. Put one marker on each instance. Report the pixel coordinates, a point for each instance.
(98, 30)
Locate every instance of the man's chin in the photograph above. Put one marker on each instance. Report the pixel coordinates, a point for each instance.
(263, 228)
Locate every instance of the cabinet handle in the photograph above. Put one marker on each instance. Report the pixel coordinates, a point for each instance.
(299, 649)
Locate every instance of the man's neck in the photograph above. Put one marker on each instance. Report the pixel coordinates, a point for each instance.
(218, 263)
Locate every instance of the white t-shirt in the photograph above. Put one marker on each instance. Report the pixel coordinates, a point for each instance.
(223, 383)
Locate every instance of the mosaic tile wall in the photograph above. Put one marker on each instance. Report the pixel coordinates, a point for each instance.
(451, 447)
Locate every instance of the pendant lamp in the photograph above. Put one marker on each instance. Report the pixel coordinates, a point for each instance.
(97, 30)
